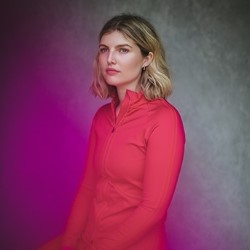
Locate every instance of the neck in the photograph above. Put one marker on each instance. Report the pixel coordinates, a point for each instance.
(121, 92)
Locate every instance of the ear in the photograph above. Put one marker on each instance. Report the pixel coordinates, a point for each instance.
(148, 59)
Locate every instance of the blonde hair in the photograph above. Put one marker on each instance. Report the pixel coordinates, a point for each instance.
(155, 79)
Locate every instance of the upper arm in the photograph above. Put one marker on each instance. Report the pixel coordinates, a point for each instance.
(165, 149)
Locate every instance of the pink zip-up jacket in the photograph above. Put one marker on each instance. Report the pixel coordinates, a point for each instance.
(132, 168)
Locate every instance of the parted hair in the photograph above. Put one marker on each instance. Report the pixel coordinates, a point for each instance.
(155, 79)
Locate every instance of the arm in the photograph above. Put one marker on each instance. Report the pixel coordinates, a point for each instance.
(165, 149)
(80, 209)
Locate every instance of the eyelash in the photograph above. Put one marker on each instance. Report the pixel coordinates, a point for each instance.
(121, 50)
(103, 50)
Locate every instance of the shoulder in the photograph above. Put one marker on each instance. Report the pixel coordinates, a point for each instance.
(162, 110)
(103, 109)
(102, 112)
(165, 118)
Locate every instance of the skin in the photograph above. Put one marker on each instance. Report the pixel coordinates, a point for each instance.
(121, 63)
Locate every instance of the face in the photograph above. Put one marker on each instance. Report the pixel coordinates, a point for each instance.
(120, 61)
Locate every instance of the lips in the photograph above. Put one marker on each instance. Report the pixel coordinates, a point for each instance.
(111, 71)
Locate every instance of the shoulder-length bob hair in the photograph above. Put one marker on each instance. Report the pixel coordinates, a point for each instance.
(155, 79)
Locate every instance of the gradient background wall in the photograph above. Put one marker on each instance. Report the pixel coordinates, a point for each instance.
(46, 110)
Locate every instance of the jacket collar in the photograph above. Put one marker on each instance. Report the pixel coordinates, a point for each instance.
(132, 100)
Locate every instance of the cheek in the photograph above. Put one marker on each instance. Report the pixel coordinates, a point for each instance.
(102, 57)
(133, 63)
(135, 66)
(102, 64)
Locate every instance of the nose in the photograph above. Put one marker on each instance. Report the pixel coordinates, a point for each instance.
(111, 58)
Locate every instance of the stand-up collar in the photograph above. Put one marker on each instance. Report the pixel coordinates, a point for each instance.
(132, 99)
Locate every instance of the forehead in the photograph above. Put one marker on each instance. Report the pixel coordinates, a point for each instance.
(116, 38)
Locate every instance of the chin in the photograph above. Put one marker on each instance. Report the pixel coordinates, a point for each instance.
(111, 83)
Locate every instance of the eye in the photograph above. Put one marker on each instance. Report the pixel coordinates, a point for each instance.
(123, 50)
(103, 49)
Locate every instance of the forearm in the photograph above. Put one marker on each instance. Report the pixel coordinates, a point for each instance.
(77, 218)
(133, 229)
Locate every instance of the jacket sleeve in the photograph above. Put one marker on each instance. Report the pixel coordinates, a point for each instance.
(80, 209)
(165, 150)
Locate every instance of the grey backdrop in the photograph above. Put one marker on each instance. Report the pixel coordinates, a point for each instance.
(207, 45)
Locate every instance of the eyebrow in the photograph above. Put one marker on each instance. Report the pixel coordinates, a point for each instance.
(117, 46)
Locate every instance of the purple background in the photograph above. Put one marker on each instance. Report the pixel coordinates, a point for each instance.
(46, 111)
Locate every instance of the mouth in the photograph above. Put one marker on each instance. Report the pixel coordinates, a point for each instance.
(111, 71)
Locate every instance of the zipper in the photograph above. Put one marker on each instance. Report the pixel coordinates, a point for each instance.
(107, 147)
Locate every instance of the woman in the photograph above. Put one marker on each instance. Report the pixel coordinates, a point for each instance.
(136, 145)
